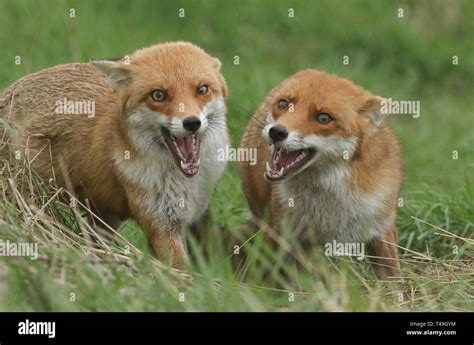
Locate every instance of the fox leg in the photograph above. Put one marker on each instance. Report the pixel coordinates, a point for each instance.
(168, 246)
(384, 254)
(167, 242)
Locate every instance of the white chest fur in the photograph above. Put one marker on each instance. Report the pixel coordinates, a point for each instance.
(326, 208)
(169, 196)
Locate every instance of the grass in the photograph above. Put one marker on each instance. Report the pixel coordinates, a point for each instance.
(406, 58)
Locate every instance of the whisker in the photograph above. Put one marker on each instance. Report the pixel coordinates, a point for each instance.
(216, 111)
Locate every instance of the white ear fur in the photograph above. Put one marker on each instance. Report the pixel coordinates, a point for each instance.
(117, 76)
(374, 110)
(217, 64)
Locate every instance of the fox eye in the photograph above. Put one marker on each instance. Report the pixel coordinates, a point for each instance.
(282, 104)
(158, 95)
(202, 90)
(323, 118)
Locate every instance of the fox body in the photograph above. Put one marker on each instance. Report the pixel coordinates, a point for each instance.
(149, 151)
(327, 164)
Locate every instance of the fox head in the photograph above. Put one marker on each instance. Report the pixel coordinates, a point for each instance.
(173, 95)
(313, 117)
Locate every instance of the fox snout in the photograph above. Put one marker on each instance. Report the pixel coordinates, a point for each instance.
(282, 136)
(187, 125)
(184, 125)
(278, 133)
(192, 123)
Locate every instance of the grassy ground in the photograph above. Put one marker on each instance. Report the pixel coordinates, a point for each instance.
(406, 58)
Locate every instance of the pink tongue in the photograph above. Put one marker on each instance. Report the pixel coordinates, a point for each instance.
(186, 146)
(286, 158)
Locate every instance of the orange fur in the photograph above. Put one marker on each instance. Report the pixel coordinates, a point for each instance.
(371, 175)
(94, 150)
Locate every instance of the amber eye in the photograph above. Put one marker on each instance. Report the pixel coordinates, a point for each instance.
(158, 95)
(283, 104)
(202, 90)
(323, 118)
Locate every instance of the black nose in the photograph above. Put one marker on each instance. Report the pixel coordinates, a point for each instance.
(192, 123)
(278, 133)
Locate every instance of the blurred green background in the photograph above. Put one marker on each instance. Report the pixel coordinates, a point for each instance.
(407, 58)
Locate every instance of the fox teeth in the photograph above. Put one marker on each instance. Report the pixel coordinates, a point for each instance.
(268, 167)
(198, 162)
(183, 166)
(178, 151)
(281, 171)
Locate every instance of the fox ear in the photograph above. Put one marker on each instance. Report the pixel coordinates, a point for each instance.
(217, 63)
(117, 74)
(373, 110)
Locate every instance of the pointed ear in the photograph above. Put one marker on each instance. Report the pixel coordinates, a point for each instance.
(217, 63)
(118, 75)
(373, 110)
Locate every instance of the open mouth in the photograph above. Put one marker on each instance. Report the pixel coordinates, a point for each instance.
(284, 163)
(185, 151)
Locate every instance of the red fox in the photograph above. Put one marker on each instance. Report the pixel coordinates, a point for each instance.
(145, 147)
(333, 167)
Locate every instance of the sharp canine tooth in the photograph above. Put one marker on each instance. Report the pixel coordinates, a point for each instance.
(281, 171)
(268, 167)
(198, 162)
(183, 166)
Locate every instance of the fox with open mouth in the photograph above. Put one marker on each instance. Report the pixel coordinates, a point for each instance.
(328, 164)
(149, 152)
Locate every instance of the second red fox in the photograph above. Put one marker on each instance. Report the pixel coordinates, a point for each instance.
(331, 154)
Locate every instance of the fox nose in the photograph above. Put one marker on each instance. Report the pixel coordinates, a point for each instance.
(192, 123)
(278, 133)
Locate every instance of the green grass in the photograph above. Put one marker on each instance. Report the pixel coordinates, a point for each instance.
(403, 58)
